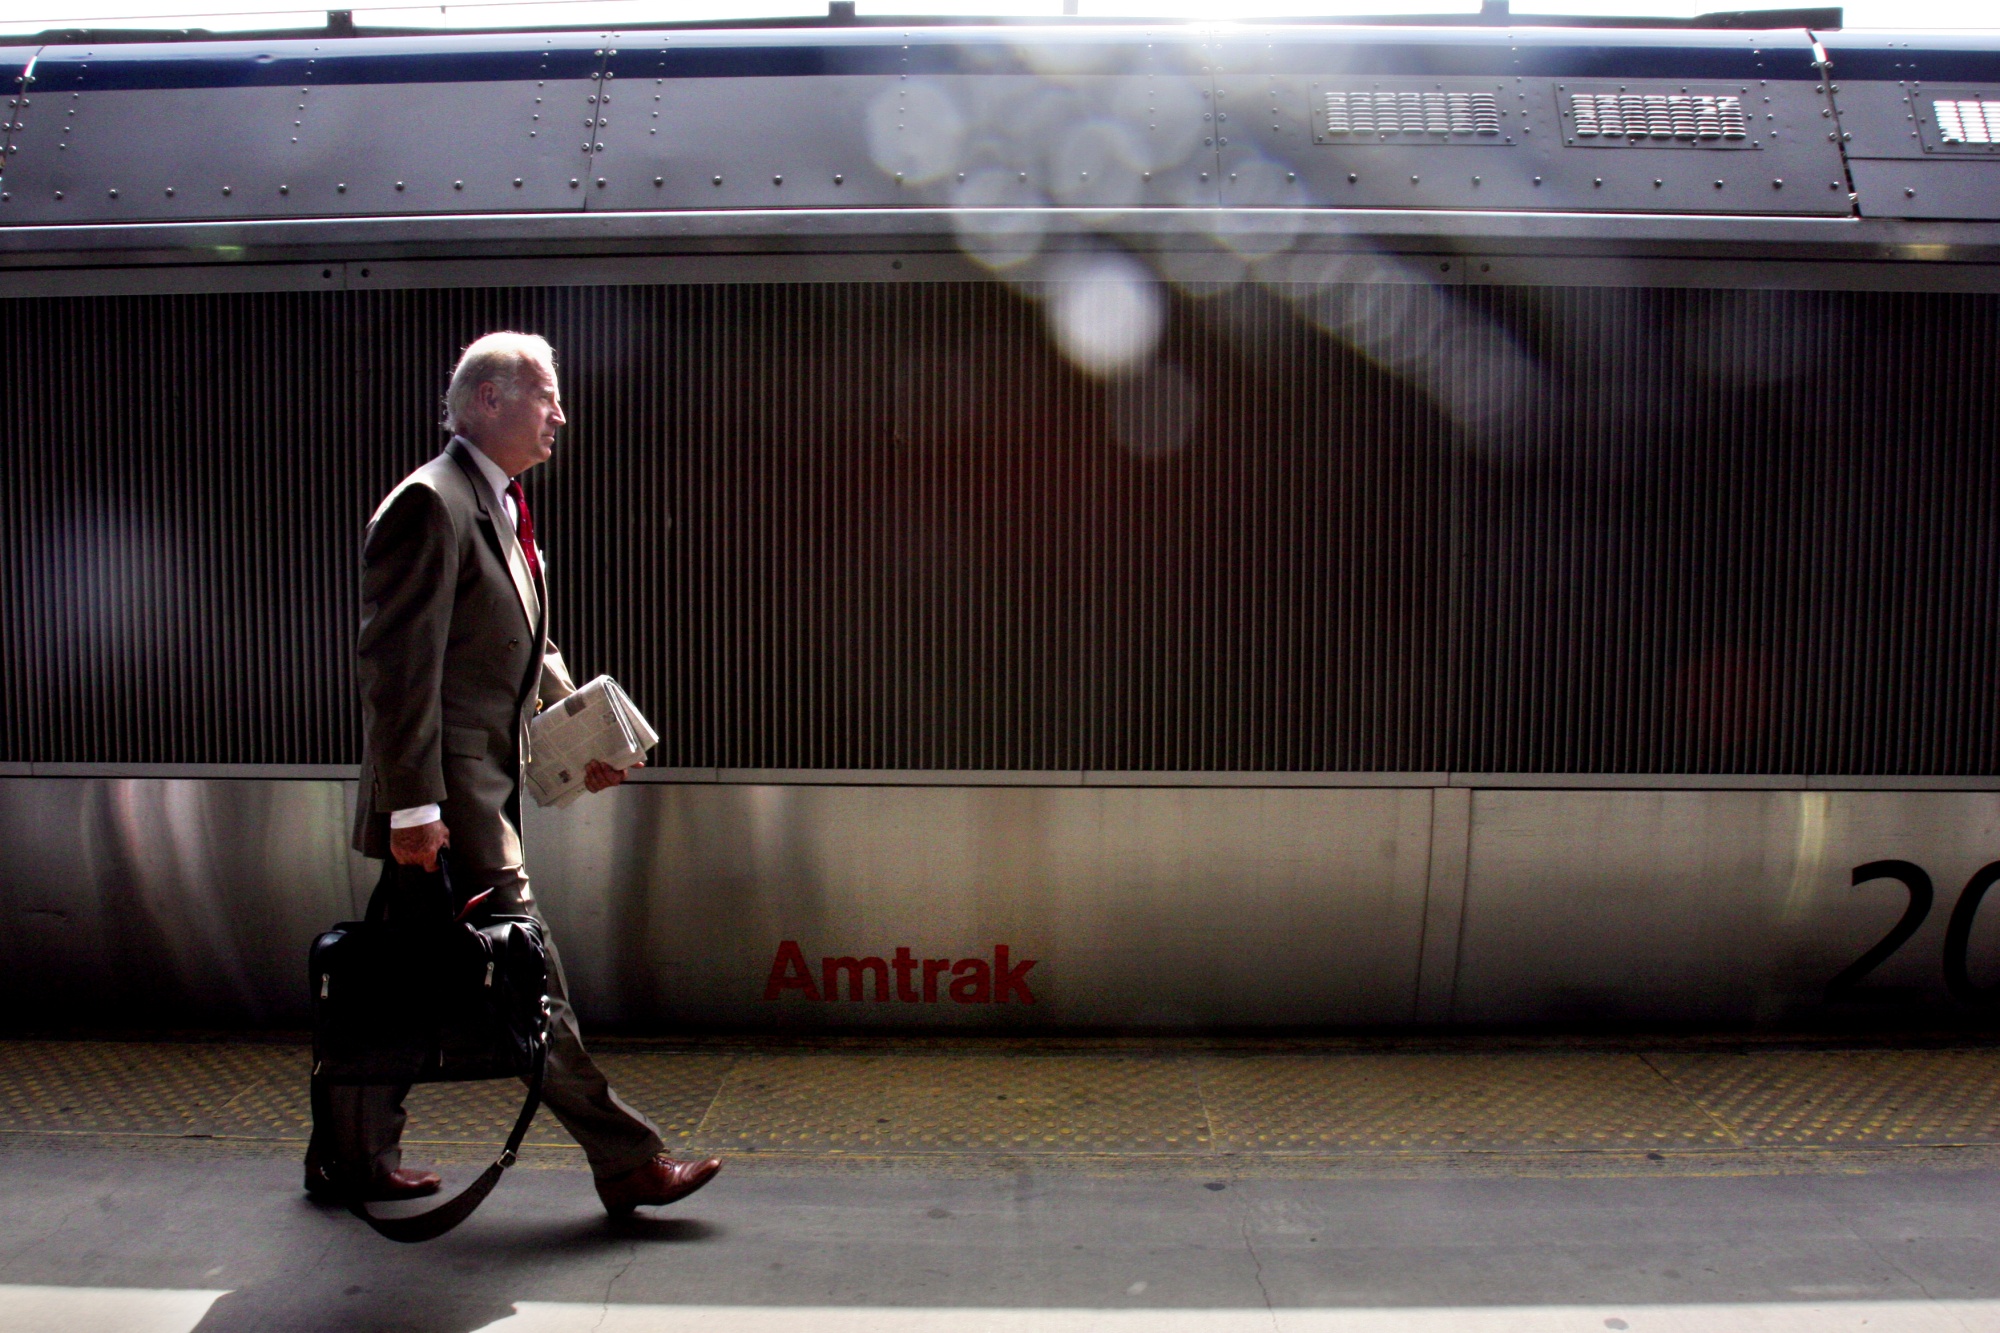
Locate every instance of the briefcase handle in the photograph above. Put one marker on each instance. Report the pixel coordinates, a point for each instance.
(434, 1223)
(433, 894)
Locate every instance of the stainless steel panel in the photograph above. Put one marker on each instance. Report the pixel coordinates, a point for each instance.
(760, 143)
(450, 147)
(1158, 778)
(739, 142)
(143, 902)
(1141, 908)
(1271, 157)
(1444, 904)
(895, 777)
(1075, 135)
(1961, 120)
(1873, 71)
(207, 278)
(1089, 96)
(95, 153)
(1875, 118)
(810, 231)
(1732, 274)
(466, 144)
(131, 135)
(888, 265)
(1899, 121)
(1943, 274)
(115, 156)
(1789, 166)
(176, 902)
(1708, 906)
(1934, 188)
(14, 62)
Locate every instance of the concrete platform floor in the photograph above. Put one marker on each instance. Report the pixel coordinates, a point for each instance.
(951, 1186)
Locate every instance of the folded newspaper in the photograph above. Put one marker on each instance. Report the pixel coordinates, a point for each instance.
(597, 722)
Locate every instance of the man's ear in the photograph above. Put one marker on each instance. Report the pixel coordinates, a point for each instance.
(487, 396)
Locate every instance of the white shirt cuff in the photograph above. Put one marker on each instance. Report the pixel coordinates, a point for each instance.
(415, 817)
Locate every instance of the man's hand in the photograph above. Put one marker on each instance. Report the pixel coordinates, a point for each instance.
(600, 775)
(419, 846)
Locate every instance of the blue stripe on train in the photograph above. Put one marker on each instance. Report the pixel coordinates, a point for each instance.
(348, 62)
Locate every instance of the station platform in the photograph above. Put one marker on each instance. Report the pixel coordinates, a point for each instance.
(943, 1184)
(1770, 1106)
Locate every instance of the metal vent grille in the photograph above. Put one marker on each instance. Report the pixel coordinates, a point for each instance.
(1967, 121)
(1659, 119)
(887, 526)
(1412, 115)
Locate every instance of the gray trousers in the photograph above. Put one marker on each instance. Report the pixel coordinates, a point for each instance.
(359, 1129)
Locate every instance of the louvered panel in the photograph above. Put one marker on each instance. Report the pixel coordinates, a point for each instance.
(887, 526)
(1269, 551)
(1969, 121)
(1411, 116)
(174, 533)
(1735, 532)
(1683, 120)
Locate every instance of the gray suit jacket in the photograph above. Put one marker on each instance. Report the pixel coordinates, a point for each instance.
(454, 659)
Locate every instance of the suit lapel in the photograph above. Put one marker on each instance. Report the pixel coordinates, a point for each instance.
(501, 533)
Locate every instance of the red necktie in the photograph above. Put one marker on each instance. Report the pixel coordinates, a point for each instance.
(525, 529)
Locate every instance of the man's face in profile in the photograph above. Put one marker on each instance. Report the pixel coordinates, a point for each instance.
(522, 424)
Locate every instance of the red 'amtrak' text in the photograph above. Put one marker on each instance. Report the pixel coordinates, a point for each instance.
(917, 980)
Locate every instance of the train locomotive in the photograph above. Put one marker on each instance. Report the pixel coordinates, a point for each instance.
(1121, 526)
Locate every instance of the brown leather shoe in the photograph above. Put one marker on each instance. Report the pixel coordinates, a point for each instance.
(662, 1180)
(404, 1184)
(322, 1185)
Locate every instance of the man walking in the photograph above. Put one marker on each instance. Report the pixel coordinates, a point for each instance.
(454, 660)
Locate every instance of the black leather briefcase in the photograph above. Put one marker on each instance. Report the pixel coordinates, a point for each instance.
(427, 988)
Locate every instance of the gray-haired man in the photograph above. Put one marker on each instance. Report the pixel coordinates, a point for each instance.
(454, 659)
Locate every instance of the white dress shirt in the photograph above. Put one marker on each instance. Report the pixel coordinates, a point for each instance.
(418, 815)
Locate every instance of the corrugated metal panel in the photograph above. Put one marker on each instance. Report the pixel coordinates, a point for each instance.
(1270, 592)
(875, 526)
(1735, 532)
(181, 479)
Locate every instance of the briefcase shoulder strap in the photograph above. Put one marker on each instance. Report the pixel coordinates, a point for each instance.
(435, 1222)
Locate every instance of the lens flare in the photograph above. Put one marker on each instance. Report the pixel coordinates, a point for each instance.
(996, 219)
(1098, 165)
(1389, 311)
(1166, 111)
(1105, 312)
(1264, 217)
(1198, 271)
(916, 132)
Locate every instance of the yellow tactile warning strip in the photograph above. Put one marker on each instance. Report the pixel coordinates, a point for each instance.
(1449, 1100)
(1192, 1103)
(1845, 1099)
(958, 1103)
(675, 1090)
(127, 1088)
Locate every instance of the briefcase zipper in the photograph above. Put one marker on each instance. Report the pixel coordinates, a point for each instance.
(489, 974)
(324, 978)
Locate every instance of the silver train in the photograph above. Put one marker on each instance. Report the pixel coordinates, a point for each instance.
(1584, 157)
